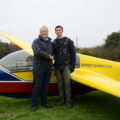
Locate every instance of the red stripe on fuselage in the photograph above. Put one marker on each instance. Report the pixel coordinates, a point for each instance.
(26, 87)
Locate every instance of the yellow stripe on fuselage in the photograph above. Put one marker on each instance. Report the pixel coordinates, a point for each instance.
(28, 76)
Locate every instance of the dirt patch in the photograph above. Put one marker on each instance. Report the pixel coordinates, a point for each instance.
(8, 115)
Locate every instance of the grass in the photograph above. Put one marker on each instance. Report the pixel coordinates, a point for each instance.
(93, 106)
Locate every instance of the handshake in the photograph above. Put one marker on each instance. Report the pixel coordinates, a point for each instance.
(52, 57)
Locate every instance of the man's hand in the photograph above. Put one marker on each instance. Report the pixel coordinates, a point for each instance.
(51, 57)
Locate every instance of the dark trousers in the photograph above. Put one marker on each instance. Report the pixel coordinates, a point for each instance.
(64, 85)
(40, 85)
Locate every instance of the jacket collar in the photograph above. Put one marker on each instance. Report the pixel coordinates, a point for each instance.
(40, 37)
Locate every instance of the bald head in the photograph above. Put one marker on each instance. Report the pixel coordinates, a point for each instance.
(44, 32)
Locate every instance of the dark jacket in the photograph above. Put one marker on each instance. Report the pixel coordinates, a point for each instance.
(57, 49)
(42, 50)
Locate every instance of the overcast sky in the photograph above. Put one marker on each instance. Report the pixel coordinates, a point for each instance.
(90, 20)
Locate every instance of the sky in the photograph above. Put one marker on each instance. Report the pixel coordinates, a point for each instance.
(88, 20)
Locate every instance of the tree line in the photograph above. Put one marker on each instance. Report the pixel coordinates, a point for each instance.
(7, 48)
(109, 50)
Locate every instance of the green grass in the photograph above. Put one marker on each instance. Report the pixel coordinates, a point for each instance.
(92, 106)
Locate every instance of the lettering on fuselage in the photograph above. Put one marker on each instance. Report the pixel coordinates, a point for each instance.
(96, 65)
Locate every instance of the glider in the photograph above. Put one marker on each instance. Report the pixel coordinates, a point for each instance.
(16, 73)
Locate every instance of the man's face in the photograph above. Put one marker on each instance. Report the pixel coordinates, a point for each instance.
(44, 32)
(58, 31)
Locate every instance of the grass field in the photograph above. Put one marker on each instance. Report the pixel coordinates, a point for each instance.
(93, 106)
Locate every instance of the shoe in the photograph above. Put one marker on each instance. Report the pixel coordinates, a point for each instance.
(61, 102)
(69, 104)
(33, 109)
(46, 106)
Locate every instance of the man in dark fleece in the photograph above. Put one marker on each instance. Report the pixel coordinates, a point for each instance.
(64, 53)
(42, 64)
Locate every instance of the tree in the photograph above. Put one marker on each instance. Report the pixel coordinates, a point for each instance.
(6, 48)
(113, 40)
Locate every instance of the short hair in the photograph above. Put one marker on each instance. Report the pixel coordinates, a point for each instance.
(58, 26)
(43, 27)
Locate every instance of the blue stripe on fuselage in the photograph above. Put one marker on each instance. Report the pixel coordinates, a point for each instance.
(4, 76)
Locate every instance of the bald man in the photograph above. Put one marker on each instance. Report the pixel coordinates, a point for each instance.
(42, 64)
